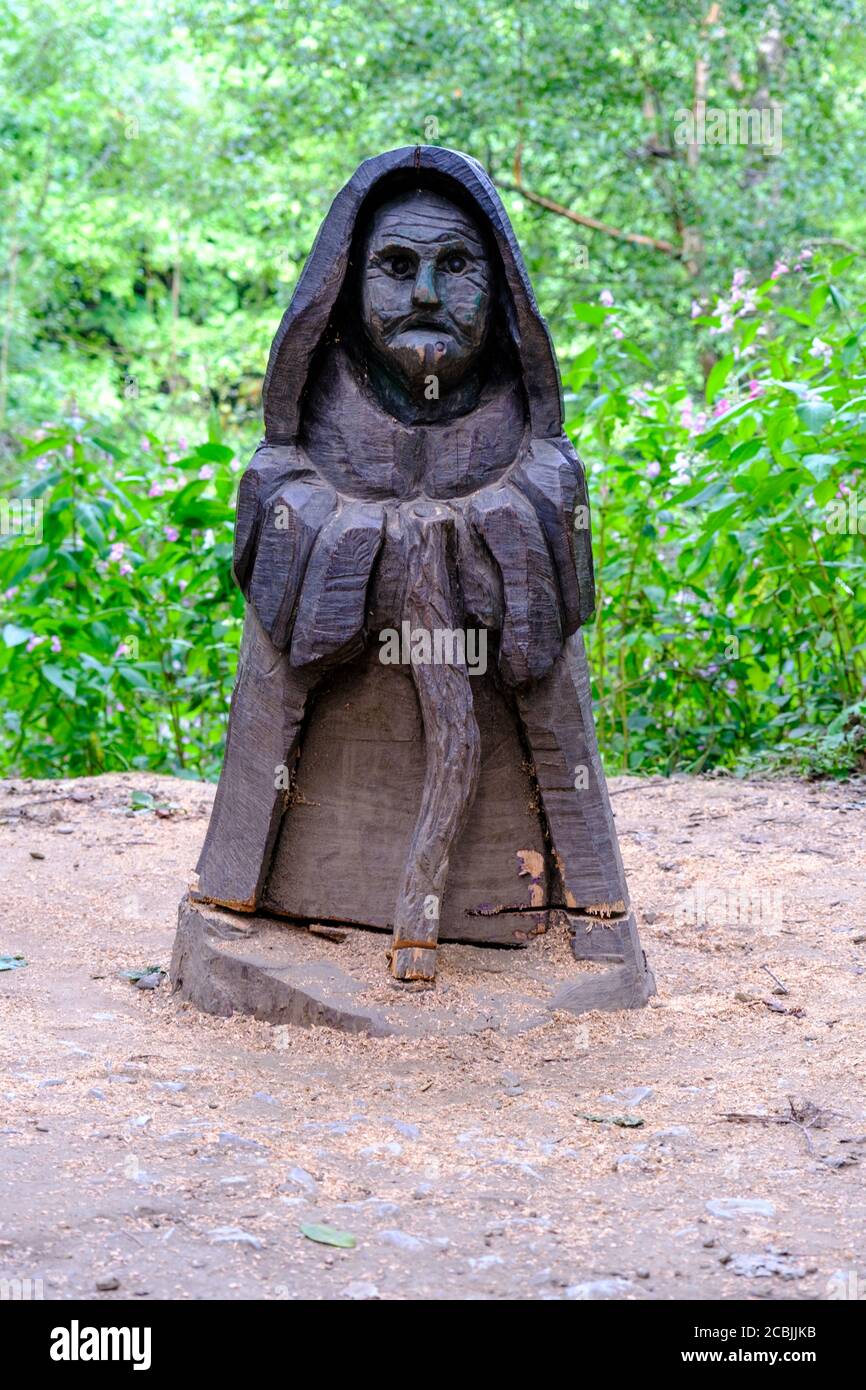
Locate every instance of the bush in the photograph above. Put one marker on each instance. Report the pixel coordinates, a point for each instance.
(728, 534)
(728, 538)
(120, 622)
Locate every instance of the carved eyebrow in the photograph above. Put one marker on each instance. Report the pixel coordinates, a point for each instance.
(408, 246)
(458, 244)
(393, 248)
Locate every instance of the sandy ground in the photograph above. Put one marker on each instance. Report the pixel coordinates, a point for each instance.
(148, 1151)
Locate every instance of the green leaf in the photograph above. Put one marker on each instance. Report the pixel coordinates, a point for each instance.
(589, 313)
(216, 453)
(13, 636)
(746, 451)
(820, 465)
(60, 680)
(824, 492)
(718, 376)
(12, 962)
(328, 1235)
(814, 415)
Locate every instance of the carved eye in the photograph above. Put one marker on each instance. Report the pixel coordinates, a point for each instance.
(398, 266)
(455, 263)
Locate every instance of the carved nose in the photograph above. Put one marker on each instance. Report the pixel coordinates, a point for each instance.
(425, 286)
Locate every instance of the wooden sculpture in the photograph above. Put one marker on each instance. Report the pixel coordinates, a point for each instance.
(411, 744)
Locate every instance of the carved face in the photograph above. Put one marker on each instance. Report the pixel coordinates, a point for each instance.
(426, 285)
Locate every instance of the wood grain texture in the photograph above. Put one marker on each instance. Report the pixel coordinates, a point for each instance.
(290, 524)
(551, 477)
(452, 748)
(264, 727)
(557, 717)
(532, 629)
(331, 619)
(344, 841)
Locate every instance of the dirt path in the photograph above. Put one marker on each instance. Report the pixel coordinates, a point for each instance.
(178, 1154)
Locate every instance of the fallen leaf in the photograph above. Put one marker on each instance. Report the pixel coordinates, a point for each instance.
(328, 1235)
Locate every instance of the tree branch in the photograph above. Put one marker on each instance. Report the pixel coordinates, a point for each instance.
(592, 223)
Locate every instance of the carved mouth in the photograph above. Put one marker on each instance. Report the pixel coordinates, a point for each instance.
(419, 325)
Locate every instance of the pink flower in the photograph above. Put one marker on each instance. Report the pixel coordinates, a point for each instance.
(779, 269)
(125, 569)
(117, 552)
(145, 446)
(721, 406)
(696, 426)
(821, 350)
(617, 332)
(122, 650)
(171, 533)
(10, 593)
(154, 490)
(755, 389)
(235, 465)
(205, 473)
(653, 469)
(606, 298)
(696, 309)
(740, 278)
(55, 644)
(33, 643)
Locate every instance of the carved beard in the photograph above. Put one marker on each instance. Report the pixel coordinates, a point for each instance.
(413, 350)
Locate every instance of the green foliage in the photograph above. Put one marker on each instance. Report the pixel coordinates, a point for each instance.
(729, 535)
(119, 625)
(165, 166)
(729, 540)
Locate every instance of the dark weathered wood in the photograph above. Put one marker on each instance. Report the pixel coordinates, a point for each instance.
(264, 727)
(344, 842)
(557, 717)
(453, 753)
(415, 476)
(282, 973)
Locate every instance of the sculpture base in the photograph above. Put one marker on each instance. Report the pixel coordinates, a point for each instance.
(285, 973)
